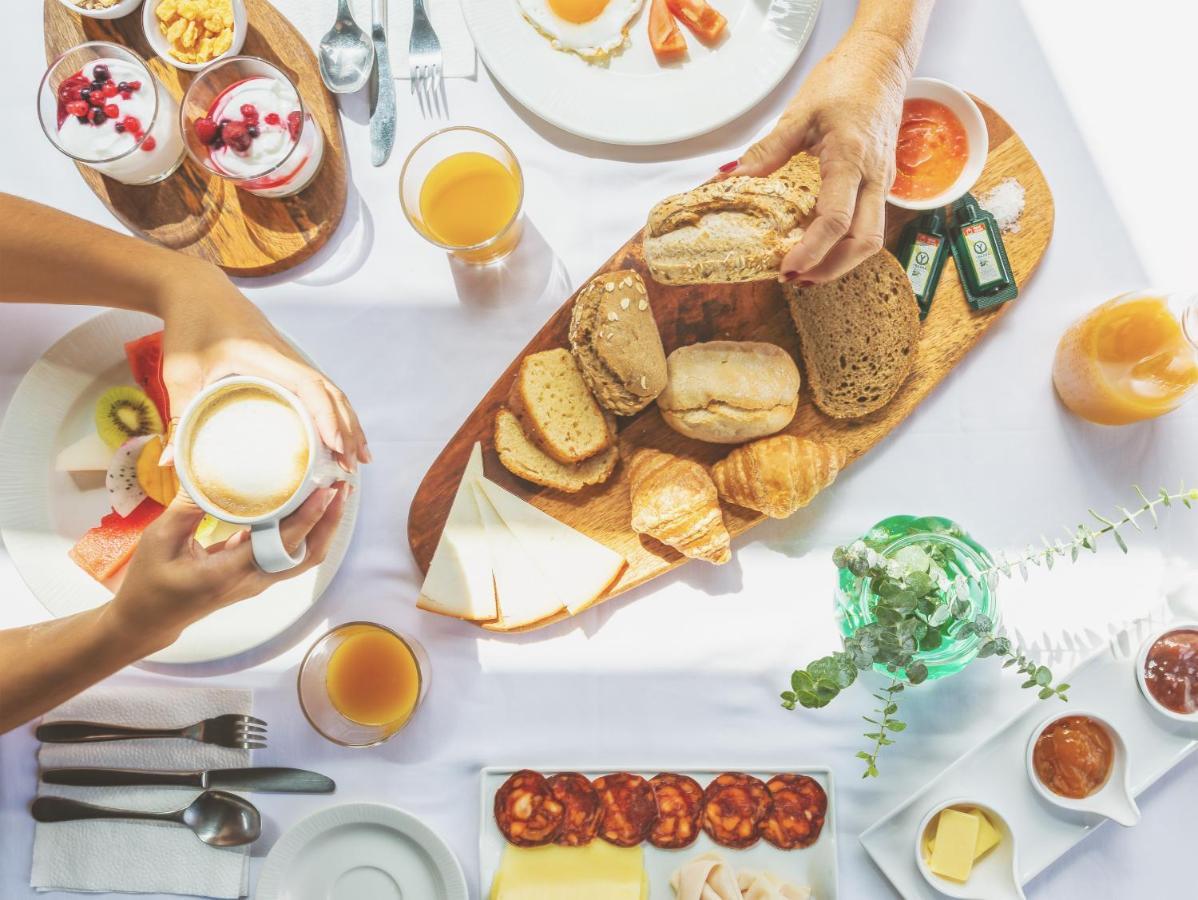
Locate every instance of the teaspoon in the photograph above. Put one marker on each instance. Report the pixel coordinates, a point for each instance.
(346, 53)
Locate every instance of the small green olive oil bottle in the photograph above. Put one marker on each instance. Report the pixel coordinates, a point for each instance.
(923, 248)
(981, 258)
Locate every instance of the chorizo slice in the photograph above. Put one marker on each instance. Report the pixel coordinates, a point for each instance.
(797, 812)
(733, 806)
(679, 805)
(526, 811)
(628, 808)
(577, 795)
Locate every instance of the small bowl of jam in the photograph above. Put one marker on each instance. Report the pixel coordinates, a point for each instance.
(1167, 671)
(1078, 762)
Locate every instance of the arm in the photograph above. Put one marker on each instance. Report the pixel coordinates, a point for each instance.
(170, 583)
(212, 330)
(847, 113)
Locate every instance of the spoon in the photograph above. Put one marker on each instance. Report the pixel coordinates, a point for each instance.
(346, 53)
(217, 817)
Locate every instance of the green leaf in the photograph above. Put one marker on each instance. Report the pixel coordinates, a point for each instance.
(884, 741)
(788, 695)
(987, 649)
(914, 558)
(896, 725)
(931, 640)
(873, 735)
(800, 681)
(1119, 539)
(861, 754)
(1031, 682)
(826, 691)
(917, 673)
(940, 616)
(961, 608)
(1061, 688)
(1043, 675)
(919, 583)
(1010, 662)
(983, 623)
(1047, 692)
(890, 710)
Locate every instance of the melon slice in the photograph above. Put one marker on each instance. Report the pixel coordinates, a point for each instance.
(108, 546)
(145, 363)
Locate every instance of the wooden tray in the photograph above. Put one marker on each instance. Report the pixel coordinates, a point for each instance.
(200, 214)
(756, 311)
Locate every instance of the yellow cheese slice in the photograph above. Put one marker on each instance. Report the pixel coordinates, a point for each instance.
(956, 836)
(988, 837)
(459, 581)
(579, 568)
(598, 871)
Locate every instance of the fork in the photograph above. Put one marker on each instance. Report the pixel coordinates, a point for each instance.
(424, 57)
(238, 732)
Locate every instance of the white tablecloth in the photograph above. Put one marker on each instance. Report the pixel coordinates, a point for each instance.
(415, 342)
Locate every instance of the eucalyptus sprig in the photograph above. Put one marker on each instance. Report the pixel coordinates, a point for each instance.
(916, 607)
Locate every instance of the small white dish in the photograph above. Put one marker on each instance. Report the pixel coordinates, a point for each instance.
(961, 105)
(994, 877)
(162, 48)
(1114, 800)
(1141, 673)
(116, 11)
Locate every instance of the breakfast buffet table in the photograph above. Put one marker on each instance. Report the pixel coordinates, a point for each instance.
(685, 671)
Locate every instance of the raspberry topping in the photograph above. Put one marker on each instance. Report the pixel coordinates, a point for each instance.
(77, 108)
(272, 119)
(237, 136)
(206, 130)
(249, 112)
(109, 89)
(132, 123)
(293, 124)
(149, 144)
(110, 110)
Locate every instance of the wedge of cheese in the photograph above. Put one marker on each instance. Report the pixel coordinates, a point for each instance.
(523, 593)
(578, 568)
(459, 582)
(596, 871)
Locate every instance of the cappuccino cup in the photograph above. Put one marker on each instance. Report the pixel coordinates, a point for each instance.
(247, 452)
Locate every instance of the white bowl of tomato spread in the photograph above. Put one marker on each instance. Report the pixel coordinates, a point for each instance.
(1167, 671)
(942, 146)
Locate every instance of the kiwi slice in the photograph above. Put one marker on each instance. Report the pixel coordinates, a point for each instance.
(123, 413)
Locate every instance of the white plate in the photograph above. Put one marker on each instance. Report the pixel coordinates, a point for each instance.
(361, 851)
(44, 512)
(814, 865)
(633, 99)
(994, 772)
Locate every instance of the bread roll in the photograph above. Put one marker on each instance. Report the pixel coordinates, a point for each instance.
(674, 500)
(728, 392)
(737, 229)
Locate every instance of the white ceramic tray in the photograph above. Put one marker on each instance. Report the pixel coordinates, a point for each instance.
(994, 772)
(814, 865)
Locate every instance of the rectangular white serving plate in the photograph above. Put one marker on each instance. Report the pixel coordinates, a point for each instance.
(814, 865)
(995, 773)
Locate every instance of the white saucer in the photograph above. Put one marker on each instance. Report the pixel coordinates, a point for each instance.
(361, 851)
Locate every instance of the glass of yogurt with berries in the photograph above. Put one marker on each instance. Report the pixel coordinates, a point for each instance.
(100, 105)
(244, 120)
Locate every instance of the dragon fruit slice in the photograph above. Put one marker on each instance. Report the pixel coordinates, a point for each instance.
(125, 493)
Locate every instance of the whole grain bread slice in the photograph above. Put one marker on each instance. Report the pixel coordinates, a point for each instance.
(522, 457)
(857, 335)
(556, 409)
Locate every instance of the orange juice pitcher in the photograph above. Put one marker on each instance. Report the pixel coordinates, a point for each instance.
(1133, 358)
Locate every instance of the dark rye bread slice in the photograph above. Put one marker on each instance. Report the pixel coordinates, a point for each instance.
(857, 336)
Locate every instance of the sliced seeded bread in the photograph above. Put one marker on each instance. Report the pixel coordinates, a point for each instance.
(857, 336)
(616, 342)
(522, 457)
(738, 229)
(556, 409)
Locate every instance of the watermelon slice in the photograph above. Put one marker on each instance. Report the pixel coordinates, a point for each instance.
(108, 546)
(145, 362)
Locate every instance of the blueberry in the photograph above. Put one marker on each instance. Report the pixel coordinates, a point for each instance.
(96, 86)
(83, 120)
(123, 87)
(85, 95)
(100, 73)
(119, 128)
(98, 117)
(253, 131)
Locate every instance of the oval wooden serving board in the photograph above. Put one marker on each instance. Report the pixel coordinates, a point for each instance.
(200, 214)
(754, 311)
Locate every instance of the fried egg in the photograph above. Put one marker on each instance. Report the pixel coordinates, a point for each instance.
(593, 29)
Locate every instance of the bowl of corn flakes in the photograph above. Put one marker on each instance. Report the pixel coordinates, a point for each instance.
(101, 9)
(189, 34)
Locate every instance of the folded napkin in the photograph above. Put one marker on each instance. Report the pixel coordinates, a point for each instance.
(315, 17)
(139, 857)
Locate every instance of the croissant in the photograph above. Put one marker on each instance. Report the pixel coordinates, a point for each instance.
(674, 500)
(777, 475)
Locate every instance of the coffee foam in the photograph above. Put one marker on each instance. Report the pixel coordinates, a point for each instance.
(248, 451)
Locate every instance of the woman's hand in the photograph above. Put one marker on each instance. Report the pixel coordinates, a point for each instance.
(171, 581)
(212, 331)
(847, 113)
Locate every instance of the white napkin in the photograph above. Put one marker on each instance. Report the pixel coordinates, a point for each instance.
(314, 17)
(139, 857)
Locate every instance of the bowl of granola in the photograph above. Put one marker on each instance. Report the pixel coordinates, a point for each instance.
(190, 34)
(101, 9)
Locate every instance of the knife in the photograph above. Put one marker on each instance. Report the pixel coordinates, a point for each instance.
(382, 120)
(262, 778)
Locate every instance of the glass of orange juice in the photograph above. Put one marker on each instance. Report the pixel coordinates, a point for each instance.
(1132, 358)
(361, 683)
(462, 189)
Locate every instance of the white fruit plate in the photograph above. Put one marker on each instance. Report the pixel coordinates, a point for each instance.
(43, 512)
(995, 773)
(814, 866)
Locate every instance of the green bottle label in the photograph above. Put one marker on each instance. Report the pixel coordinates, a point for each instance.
(981, 254)
(919, 266)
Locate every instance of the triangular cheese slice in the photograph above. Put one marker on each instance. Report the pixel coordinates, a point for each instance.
(579, 568)
(523, 593)
(459, 581)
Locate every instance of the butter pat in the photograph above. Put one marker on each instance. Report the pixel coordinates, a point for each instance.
(597, 871)
(988, 837)
(956, 838)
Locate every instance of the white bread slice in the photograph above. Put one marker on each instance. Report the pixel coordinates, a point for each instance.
(459, 582)
(522, 591)
(579, 568)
